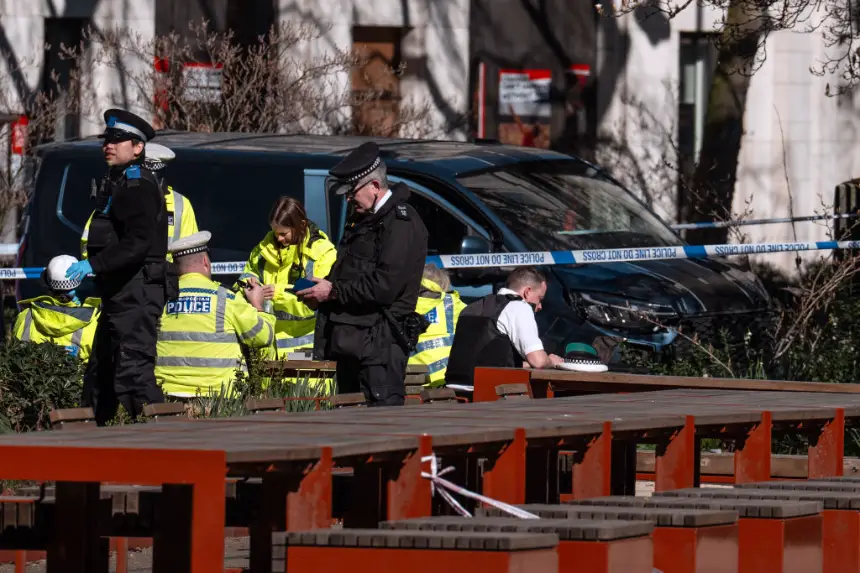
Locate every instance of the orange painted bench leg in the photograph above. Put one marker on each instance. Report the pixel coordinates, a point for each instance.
(625, 556)
(505, 473)
(21, 562)
(486, 380)
(409, 494)
(122, 555)
(827, 449)
(297, 503)
(592, 467)
(691, 549)
(841, 541)
(752, 457)
(675, 463)
(781, 545)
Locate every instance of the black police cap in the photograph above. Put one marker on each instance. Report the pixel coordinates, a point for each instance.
(359, 163)
(121, 125)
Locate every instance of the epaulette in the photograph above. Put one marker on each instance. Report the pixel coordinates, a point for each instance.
(314, 234)
(401, 212)
(132, 176)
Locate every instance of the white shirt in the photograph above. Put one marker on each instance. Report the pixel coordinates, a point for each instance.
(382, 201)
(517, 322)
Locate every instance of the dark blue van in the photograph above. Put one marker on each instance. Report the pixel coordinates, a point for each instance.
(474, 198)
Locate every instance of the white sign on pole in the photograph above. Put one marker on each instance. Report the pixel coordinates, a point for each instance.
(202, 82)
(525, 92)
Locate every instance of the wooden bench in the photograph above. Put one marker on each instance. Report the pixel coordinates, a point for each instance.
(685, 540)
(356, 400)
(771, 533)
(77, 418)
(173, 410)
(513, 392)
(413, 394)
(840, 518)
(416, 375)
(435, 395)
(384, 551)
(585, 546)
(256, 405)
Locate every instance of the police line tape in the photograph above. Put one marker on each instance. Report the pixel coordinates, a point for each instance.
(594, 256)
(536, 258)
(747, 222)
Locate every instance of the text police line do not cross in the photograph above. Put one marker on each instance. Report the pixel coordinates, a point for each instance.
(539, 258)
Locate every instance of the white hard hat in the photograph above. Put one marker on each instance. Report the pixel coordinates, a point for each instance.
(156, 156)
(55, 274)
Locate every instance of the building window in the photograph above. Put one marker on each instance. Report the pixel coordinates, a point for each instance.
(63, 42)
(376, 79)
(698, 59)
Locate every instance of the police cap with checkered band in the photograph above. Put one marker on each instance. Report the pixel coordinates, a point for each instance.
(157, 156)
(352, 168)
(54, 275)
(190, 245)
(122, 125)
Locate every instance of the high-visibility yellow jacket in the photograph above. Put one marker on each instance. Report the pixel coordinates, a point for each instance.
(71, 325)
(272, 265)
(199, 341)
(178, 209)
(442, 309)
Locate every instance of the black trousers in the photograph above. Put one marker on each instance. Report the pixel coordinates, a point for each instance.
(121, 369)
(371, 362)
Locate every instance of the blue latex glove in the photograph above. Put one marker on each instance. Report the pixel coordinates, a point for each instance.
(79, 270)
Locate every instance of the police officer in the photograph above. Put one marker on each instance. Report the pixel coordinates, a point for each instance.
(367, 319)
(441, 306)
(500, 330)
(199, 342)
(127, 250)
(59, 317)
(181, 221)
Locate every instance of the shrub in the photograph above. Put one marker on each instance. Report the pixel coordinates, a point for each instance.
(257, 382)
(34, 379)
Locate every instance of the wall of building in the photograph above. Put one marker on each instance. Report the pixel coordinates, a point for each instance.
(22, 39)
(798, 142)
(435, 47)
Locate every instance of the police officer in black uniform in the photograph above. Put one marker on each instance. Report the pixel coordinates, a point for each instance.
(367, 320)
(127, 249)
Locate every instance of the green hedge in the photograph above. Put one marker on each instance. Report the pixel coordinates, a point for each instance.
(34, 379)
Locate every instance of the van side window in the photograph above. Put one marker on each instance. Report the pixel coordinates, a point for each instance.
(445, 232)
(233, 200)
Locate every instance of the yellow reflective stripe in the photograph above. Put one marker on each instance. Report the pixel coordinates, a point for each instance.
(178, 205)
(283, 315)
(192, 362)
(84, 314)
(294, 342)
(189, 336)
(28, 322)
(254, 331)
(221, 309)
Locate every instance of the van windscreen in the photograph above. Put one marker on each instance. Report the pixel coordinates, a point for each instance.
(568, 206)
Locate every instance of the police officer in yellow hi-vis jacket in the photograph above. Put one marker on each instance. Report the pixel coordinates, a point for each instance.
(441, 306)
(181, 221)
(199, 341)
(295, 248)
(59, 318)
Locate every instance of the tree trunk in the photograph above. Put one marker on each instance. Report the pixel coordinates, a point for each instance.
(713, 184)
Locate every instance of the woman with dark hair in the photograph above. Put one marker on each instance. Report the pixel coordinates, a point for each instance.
(295, 248)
